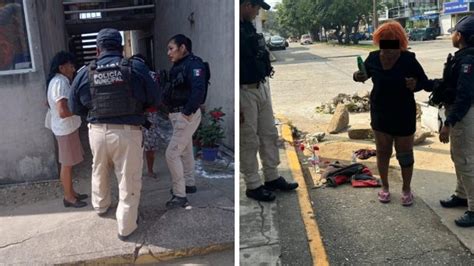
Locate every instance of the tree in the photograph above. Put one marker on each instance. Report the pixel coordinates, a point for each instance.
(342, 16)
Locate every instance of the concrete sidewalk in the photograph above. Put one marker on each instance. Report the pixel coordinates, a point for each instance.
(37, 229)
(273, 233)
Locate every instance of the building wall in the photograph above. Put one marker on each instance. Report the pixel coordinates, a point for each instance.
(212, 34)
(27, 148)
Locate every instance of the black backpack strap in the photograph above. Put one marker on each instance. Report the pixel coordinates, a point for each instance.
(126, 69)
(93, 65)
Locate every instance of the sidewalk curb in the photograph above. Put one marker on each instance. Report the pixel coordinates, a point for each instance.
(149, 257)
(316, 246)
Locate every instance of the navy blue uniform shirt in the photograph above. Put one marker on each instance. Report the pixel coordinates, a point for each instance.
(464, 89)
(144, 90)
(195, 78)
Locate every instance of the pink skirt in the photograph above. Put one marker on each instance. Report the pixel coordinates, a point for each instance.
(70, 149)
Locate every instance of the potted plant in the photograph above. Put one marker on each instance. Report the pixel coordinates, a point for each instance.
(210, 132)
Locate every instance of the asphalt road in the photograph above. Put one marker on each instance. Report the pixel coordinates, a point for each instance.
(356, 228)
(310, 75)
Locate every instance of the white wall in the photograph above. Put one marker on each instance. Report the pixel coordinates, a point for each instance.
(445, 23)
(27, 148)
(212, 34)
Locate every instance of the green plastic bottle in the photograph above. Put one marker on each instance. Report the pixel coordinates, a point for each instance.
(361, 65)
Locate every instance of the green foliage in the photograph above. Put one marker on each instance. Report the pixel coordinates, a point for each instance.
(342, 16)
(210, 131)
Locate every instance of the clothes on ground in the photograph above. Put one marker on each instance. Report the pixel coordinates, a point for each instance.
(358, 174)
(365, 154)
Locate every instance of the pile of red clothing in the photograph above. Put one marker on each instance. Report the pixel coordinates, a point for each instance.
(358, 174)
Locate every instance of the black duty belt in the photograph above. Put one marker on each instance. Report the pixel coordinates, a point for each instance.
(178, 109)
(250, 86)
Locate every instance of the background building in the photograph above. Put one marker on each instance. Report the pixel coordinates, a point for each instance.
(32, 31)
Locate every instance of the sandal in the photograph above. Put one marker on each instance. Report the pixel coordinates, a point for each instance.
(407, 198)
(384, 196)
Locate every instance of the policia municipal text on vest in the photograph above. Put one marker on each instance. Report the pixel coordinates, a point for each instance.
(111, 90)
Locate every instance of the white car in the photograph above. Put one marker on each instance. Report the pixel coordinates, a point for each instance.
(306, 39)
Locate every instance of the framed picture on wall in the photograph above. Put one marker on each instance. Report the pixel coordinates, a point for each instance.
(15, 46)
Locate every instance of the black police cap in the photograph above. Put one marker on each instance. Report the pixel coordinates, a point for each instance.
(110, 37)
(464, 26)
(261, 3)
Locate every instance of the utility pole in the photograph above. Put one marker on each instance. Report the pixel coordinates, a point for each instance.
(375, 20)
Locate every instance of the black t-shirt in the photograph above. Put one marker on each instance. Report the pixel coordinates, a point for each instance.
(392, 104)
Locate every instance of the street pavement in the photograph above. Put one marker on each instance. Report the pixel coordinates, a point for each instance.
(273, 233)
(355, 228)
(37, 230)
(313, 74)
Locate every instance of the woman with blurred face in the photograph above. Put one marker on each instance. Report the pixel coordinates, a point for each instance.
(396, 75)
(65, 125)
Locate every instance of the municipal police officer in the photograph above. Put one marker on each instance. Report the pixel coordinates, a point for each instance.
(183, 95)
(257, 129)
(113, 92)
(458, 97)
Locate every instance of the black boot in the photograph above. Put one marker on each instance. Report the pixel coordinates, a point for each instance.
(467, 220)
(260, 194)
(280, 184)
(453, 201)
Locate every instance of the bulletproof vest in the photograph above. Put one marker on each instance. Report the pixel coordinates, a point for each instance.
(262, 56)
(180, 89)
(111, 90)
(176, 88)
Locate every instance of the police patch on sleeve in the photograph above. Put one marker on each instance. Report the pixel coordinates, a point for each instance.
(466, 68)
(197, 72)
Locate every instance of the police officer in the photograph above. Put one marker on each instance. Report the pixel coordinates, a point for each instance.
(257, 128)
(183, 95)
(113, 92)
(458, 128)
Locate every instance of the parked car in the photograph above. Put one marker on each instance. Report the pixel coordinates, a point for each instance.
(422, 34)
(306, 39)
(292, 39)
(267, 37)
(276, 42)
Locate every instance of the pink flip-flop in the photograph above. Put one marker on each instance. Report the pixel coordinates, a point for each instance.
(384, 196)
(407, 198)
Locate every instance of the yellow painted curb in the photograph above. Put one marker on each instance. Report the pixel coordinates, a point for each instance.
(316, 246)
(149, 257)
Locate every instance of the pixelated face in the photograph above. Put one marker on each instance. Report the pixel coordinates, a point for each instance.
(456, 38)
(249, 12)
(175, 52)
(68, 70)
